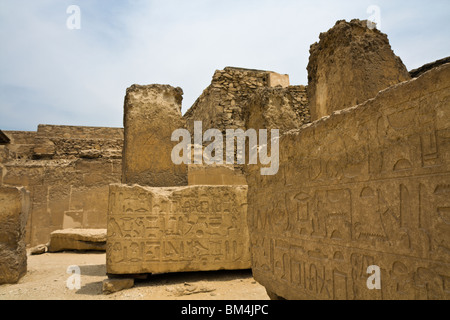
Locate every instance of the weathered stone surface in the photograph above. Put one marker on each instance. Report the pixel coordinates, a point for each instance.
(225, 103)
(159, 230)
(68, 186)
(39, 249)
(151, 114)
(4, 139)
(14, 209)
(222, 105)
(368, 185)
(276, 79)
(114, 285)
(78, 240)
(419, 71)
(215, 175)
(277, 108)
(350, 64)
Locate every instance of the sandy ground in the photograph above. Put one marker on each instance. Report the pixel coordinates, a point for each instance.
(47, 277)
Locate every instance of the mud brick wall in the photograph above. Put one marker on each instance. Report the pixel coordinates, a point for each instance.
(180, 229)
(368, 185)
(67, 170)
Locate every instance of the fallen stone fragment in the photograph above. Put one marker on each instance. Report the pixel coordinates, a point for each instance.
(188, 289)
(115, 285)
(78, 239)
(39, 249)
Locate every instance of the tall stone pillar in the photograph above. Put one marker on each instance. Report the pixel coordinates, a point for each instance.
(151, 114)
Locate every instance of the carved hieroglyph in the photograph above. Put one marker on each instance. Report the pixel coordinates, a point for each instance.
(14, 210)
(151, 114)
(369, 185)
(159, 230)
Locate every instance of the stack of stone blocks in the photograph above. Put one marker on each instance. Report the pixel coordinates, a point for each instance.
(158, 220)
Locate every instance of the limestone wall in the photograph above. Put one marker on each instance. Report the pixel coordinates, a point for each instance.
(350, 64)
(277, 108)
(215, 175)
(368, 185)
(67, 171)
(221, 105)
(419, 71)
(72, 142)
(14, 210)
(21, 145)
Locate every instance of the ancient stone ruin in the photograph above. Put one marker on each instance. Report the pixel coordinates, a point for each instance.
(14, 210)
(157, 221)
(368, 185)
(359, 208)
(349, 65)
(67, 171)
(151, 114)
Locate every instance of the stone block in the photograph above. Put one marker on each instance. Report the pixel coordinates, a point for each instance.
(179, 229)
(14, 210)
(276, 79)
(115, 285)
(367, 186)
(78, 240)
(151, 114)
(39, 249)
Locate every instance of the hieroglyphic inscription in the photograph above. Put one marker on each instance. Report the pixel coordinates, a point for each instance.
(196, 228)
(368, 186)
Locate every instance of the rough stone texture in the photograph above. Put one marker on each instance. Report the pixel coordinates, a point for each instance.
(115, 285)
(278, 108)
(21, 145)
(180, 229)
(368, 185)
(14, 209)
(151, 114)
(350, 64)
(215, 175)
(221, 105)
(276, 80)
(224, 104)
(419, 71)
(78, 240)
(4, 139)
(39, 249)
(69, 186)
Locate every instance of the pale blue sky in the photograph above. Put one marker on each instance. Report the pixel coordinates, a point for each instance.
(52, 75)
